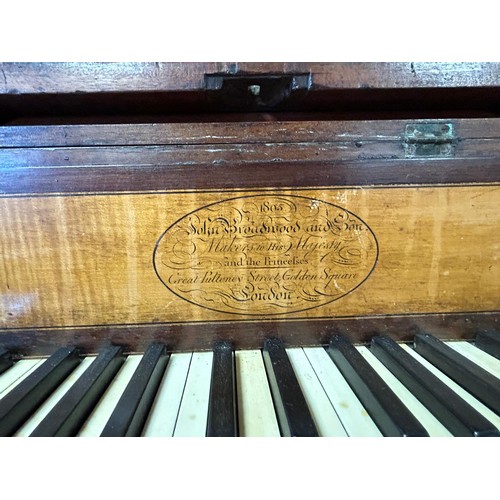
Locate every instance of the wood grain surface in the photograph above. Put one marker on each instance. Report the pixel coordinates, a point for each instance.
(250, 131)
(41, 78)
(88, 260)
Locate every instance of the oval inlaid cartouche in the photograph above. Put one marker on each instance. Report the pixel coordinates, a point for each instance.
(265, 254)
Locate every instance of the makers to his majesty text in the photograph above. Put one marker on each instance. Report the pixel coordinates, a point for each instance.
(265, 254)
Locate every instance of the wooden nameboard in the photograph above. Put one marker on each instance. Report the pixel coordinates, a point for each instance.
(97, 259)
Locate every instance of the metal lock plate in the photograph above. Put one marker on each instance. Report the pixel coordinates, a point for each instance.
(256, 92)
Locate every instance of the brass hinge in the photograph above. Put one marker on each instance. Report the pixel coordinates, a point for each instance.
(429, 140)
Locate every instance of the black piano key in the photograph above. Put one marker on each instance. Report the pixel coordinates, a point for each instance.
(388, 412)
(22, 401)
(222, 419)
(489, 342)
(69, 414)
(294, 416)
(481, 384)
(458, 416)
(5, 360)
(130, 414)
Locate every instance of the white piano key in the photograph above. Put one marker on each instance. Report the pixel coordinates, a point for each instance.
(480, 407)
(104, 408)
(481, 358)
(17, 373)
(324, 415)
(193, 412)
(256, 415)
(351, 412)
(30, 425)
(431, 424)
(165, 409)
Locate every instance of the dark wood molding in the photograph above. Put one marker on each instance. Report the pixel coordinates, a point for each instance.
(166, 178)
(46, 78)
(247, 334)
(242, 132)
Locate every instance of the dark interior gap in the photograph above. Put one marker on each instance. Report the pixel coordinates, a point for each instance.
(199, 106)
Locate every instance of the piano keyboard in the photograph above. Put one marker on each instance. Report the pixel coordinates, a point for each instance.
(432, 388)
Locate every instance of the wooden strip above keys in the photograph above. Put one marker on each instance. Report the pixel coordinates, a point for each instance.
(293, 413)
